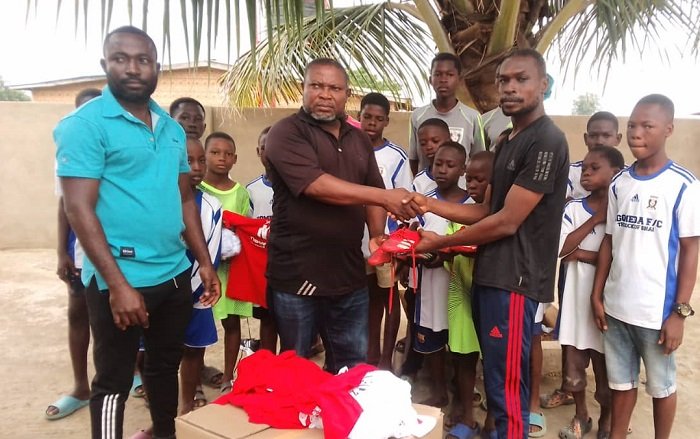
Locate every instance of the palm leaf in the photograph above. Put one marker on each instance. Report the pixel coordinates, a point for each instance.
(369, 38)
(609, 30)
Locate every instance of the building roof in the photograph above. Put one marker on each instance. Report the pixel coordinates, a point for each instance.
(213, 65)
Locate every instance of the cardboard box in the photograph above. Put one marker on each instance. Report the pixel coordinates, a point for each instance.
(216, 421)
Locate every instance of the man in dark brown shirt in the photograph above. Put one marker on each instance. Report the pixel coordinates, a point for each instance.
(327, 185)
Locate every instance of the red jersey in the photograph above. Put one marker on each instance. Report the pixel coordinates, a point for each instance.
(247, 270)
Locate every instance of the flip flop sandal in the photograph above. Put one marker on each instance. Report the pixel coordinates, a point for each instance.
(137, 390)
(463, 431)
(538, 420)
(226, 387)
(200, 400)
(555, 399)
(211, 377)
(66, 405)
(576, 430)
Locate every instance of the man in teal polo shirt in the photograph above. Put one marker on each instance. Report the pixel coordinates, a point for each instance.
(123, 167)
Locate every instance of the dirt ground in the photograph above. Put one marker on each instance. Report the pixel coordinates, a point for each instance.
(35, 367)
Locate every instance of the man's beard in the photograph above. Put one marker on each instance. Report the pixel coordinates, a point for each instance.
(521, 110)
(322, 117)
(122, 93)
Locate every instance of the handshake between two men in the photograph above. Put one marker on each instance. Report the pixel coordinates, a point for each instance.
(404, 206)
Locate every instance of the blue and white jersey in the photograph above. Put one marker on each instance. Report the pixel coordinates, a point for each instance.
(392, 162)
(573, 187)
(647, 216)
(211, 215)
(431, 303)
(577, 327)
(424, 182)
(393, 165)
(260, 191)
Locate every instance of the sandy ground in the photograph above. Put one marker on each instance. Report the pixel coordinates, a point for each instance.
(35, 367)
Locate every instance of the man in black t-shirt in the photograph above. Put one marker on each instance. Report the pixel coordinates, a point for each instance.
(326, 186)
(517, 233)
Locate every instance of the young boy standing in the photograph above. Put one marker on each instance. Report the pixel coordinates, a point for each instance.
(394, 168)
(642, 306)
(430, 322)
(602, 129)
(582, 230)
(261, 193)
(462, 336)
(220, 151)
(201, 331)
(431, 134)
(464, 122)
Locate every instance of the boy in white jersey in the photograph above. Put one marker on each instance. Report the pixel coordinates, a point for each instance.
(602, 129)
(430, 324)
(201, 331)
(464, 122)
(583, 227)
(394, 168)
(649, 256)
(431, 134)
(260, 192)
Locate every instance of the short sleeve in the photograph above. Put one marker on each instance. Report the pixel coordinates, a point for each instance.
(479, 142)
(567, 225)
(403, 178)
(245, 203)
(374, 177)
(292, 156)
(80, 150)
(612, 209)
(689, 211)
(544, 159)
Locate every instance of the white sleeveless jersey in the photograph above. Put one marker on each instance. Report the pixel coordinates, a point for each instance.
(577, 327)
(260, 191)
(647, 215)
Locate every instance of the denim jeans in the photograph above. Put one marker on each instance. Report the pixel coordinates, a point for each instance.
(341, 321)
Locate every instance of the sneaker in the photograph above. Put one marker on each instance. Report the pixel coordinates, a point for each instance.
(379, 257)
(402, 240)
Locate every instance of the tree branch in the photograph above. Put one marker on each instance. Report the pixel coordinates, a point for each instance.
(551, 29)
(504, 28)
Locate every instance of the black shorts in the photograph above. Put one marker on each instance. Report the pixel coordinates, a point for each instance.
(75, 285)
(261, 313)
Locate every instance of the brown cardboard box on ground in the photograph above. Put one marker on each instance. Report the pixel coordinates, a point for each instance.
(216, 421)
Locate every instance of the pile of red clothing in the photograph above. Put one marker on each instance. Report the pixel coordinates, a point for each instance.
(287, 391)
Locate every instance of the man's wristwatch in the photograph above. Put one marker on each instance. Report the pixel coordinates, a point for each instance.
(683, 309)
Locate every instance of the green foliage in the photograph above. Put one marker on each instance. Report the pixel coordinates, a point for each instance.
(364, 80)
(7, 94)
(586, 104)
